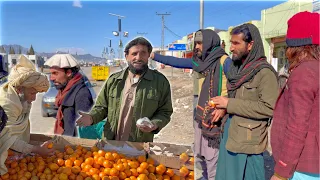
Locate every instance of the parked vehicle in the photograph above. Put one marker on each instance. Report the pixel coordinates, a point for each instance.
(48, 107)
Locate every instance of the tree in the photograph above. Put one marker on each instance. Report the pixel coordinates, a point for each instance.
(31, 51)
(20, 51)
(2, 50)
(11, 51)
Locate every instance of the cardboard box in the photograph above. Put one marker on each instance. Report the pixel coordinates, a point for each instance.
(169, 154)
(162, 153)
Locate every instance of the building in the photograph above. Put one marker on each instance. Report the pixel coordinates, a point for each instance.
(272, 27)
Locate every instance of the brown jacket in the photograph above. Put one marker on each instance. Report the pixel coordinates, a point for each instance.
(250, 110)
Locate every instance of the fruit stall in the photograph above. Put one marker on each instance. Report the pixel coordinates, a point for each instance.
(86, 159)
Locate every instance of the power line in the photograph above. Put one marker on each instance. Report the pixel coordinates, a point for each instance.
(162, 32)
(172, 32)
(142, 33)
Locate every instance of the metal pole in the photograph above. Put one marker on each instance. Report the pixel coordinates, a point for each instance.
(119, 29)
(201, 14)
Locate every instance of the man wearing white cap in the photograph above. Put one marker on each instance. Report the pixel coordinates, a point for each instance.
(16, 97)
(73, 95)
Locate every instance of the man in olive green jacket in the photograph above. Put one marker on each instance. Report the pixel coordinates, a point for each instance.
(134, 94)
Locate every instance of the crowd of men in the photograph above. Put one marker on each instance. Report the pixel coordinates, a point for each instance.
(238, 100)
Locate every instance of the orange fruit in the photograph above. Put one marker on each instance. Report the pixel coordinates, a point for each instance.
(107, 171)
(191, 161)
(151, 169)
(159, 177)
(184, 157)
(142, 177)
(94, 149)
(101, 160)
(95, 177)
(114, 172)
(122, 175)
(166, 177)
(66, 171)
(120, 167)
(107, 164)
(79, 177)
(140, 170)
(68, 163)
(109, 156)
(50, 145)
(142, 159)
(89, 161)
(144, 165)
(95, 165)
(175, 177)
(69, 151)
(151, 176)
(60, 161)
(169, 172)
(160, 169)
(77, 163)
(76, 169)
(150, 161)
(115, 156)
(128, 172)
(63, 177)
(184, 171)
(101, 153)
(134, 172)
(211, 104)
(133, 164)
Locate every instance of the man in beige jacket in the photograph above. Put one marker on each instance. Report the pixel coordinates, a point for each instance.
(16, 97)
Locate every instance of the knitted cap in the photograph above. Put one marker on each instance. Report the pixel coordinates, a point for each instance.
(303, 29)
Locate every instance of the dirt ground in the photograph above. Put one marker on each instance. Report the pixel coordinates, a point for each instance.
(180, 128)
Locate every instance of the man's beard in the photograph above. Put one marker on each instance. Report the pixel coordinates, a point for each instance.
(198, 53)
(25, 104)
(140, 70)
(240, 56)
(61, 86)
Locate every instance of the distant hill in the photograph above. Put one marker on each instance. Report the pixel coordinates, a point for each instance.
(80, 57)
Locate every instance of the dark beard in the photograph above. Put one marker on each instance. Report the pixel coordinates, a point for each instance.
(138, 71)
(61, 86)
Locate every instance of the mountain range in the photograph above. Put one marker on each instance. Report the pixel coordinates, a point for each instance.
(80, 57)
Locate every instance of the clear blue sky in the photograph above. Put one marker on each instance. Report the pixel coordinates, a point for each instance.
(49, 26)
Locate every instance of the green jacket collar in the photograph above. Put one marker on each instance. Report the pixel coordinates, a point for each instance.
(148, 75)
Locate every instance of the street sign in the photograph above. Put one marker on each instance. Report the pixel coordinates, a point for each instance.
(177, 47)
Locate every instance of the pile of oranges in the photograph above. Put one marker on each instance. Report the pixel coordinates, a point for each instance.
(90, 164)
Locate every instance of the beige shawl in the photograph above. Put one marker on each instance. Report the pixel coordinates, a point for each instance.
(16, 133)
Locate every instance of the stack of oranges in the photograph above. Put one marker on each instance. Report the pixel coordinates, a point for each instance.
(90, 164)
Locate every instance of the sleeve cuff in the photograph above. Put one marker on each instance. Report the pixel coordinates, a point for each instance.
(159, 125)
(283, 169)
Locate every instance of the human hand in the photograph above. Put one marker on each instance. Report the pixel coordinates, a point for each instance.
(218, 114)
(145, 125)
(84, 120)
(43, 149)
(220, 101)
(152, 55)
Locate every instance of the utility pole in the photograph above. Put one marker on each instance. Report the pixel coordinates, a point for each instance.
(196, 81)
(201, 14)
(142, 33)
(119, 33)
(162, 32)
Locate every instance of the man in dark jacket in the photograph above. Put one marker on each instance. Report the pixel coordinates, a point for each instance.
(73, 95)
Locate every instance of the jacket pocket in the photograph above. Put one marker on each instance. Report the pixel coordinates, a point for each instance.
(250, 91)
(249, 132)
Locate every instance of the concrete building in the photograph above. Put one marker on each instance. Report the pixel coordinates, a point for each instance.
(272, 27)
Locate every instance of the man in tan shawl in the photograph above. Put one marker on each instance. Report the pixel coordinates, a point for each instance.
(16, 97)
